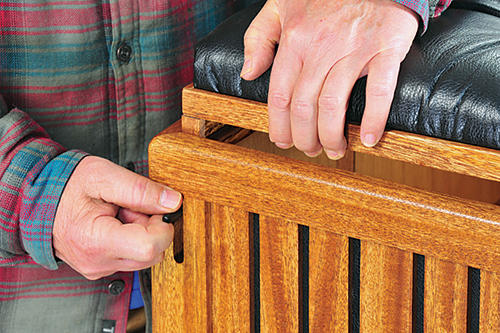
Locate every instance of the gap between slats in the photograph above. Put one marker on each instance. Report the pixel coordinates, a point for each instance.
(307, 295)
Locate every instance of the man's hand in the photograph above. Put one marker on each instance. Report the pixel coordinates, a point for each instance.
(324, 47)
(109, 219)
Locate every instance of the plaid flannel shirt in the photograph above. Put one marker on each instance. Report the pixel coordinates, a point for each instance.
(65, 83)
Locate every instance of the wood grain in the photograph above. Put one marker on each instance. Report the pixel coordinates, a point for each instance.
(445, 296)
(193, 126)
(180, 290)
(224, 109)
(489, 318)
(328, 252)
(385, 289)
(279, 275)
(229, 258)
(328, 282)
(413, 148)
(338, 201)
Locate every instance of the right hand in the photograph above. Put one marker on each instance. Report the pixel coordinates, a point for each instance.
(324, 47)
(109, 219)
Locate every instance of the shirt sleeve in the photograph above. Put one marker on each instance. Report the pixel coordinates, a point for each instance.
(425, 9)
(33, 173)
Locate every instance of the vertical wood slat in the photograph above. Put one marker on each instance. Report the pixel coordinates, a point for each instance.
(490, 302)
(385, 289)
(180, 290)
(230, 269)
(279, 276)
(329, 274)
(445, 296)
(328, 282)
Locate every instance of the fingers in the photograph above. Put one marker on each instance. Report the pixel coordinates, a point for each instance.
(324, 48)
(260, 41)
(332, 105)
(123, 247)
(129, 216)
(143, 243)
(383, 73)
(284, 74)
(304, 109)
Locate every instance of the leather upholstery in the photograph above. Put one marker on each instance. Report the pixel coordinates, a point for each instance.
(449, 84)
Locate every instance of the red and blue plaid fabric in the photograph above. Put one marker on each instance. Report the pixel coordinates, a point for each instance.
(426, 8)
(62, 84)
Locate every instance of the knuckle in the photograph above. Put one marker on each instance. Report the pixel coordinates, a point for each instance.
(302, 111)
(331, 102)
(148, 252)
(294, 30)
(252, 35)
(279, 100)
(141, 192)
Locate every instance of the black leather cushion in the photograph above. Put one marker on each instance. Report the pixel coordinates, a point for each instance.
(449, 83)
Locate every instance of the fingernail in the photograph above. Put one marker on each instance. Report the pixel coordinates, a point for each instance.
(247, 66)
(333, 155)
(284, 145)
(315, 154)
(370, 140)
(170, 198)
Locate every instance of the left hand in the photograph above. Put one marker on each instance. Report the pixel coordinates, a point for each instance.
(109, 219)
(324, 47)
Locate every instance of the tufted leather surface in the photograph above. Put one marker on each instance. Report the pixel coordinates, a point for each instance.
(449, 84)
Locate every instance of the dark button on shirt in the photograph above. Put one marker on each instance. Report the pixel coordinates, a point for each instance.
(130, 166)
(116, 287)
(124, 53)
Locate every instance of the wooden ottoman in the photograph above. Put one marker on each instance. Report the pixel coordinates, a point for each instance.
(270, 243)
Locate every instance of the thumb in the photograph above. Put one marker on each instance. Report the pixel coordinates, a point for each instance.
(121, 187)
(260, 41)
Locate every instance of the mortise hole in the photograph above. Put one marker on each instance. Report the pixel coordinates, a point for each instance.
(303, 235)
(179, 241)
(176, 219)
(354, 283)
(255, 273)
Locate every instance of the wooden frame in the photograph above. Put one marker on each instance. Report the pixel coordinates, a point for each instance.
(240, 273)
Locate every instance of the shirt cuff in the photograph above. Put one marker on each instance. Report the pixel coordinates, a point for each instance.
(421, 7)
(40, 206)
